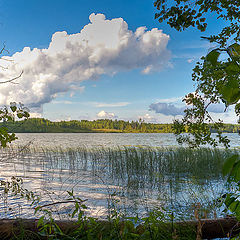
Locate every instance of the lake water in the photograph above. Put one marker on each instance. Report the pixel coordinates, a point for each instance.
(105, 139)
(105, 177)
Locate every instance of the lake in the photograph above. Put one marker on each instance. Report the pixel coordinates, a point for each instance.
(133, 172)
(105, 139)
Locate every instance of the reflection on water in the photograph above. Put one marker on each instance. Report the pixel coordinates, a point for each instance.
(139, 178)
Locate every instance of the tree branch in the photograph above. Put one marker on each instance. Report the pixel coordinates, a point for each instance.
(12, 80)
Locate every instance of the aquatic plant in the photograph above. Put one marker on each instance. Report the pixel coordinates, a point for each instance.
(139, 176)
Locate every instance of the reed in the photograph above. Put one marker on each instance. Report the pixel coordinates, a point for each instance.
(144, 177)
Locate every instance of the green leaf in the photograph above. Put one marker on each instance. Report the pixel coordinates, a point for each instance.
(234, 174)
(228, 165)
(19, 115)
(213, 56)
(57, 229)
(237, 109)
(230, 91)
(232, 69)
(70, 193)
(13, 108)
(235, 49)
(235, 206)
(74, 212)
(40, 221)
(237, 174)
(134, 235)
(26, 114)
(37, 209)
(83, 206)
(229, 200)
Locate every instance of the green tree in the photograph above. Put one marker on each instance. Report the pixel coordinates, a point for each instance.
(217, 77)
(217, 74)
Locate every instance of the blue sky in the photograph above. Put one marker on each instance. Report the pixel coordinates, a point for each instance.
(111, 69)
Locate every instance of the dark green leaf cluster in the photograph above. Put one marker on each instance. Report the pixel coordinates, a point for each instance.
(231, 200)
(182, 14)
(218, 80)
(10, 114)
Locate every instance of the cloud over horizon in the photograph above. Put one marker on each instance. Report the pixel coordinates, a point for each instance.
(167, 109)
(170, 109)
(101, 47)
(148, 118)
(103, 114)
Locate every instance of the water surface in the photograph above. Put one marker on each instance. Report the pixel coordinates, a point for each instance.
(106, 139)
(134, 182)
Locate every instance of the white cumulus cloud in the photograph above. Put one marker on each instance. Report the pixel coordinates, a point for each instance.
(101, 47)
(103, 114)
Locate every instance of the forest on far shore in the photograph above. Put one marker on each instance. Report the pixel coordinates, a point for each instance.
(41, 125)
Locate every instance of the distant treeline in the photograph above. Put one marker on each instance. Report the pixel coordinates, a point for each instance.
(41, 125)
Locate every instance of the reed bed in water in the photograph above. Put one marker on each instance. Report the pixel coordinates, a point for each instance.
(176, 176)
(143, 164)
